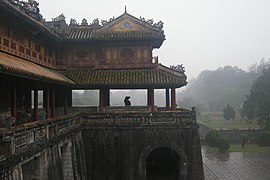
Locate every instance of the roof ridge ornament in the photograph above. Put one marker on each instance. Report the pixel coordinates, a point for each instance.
(125, 9)
(179, 67)
(151, 22)
(84, 22)
(60, 17)
(29, 7)
(73, 22)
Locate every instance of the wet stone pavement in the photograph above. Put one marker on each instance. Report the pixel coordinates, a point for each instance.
(236, 166)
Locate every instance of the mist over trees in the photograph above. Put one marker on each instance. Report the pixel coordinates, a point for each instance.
(86, 98)
(257, 103)
(212, 90)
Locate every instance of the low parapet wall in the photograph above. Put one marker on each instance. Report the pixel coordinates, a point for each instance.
(233, 136)
(203, 130)
(47, 149)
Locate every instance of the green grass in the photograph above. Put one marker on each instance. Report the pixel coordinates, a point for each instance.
(216, 121)
(250, 148)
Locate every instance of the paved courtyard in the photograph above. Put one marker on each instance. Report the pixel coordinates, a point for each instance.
(236, 166)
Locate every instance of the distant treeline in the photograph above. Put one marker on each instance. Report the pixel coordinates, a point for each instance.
(213, 90)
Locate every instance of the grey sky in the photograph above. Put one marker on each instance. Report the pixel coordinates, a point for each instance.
(201, 34)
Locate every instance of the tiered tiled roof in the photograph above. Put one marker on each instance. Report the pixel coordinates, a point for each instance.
(125, 27)
(18, 67)
(125, 78)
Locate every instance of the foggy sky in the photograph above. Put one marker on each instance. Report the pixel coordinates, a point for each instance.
(200, 34)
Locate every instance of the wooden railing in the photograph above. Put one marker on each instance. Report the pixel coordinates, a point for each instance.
(12, 46)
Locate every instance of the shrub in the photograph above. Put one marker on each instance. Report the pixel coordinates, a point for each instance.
(264, 138)
(214, 139)
(211, 138)
(222, 144)
(244, 138)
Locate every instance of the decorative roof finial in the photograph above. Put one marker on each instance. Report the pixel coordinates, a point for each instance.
(125, 9)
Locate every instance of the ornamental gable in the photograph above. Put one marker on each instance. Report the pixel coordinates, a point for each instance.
(128, 23)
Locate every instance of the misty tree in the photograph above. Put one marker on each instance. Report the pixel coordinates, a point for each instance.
(258, 68)
(226, 85)
(257, 103)
(228, 113)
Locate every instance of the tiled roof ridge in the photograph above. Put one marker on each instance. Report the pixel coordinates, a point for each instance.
(97, 24)
(171, 70)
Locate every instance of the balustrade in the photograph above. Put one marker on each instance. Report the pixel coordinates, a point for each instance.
(15, 139)
(18, 138)
(182, 118)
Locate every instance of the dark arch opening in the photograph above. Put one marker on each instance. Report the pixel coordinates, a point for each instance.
(162, 164)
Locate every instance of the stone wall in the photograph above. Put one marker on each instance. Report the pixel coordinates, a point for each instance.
(61, 158)
(117, 153)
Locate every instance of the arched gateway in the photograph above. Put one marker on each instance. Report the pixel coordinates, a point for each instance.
(162, 164)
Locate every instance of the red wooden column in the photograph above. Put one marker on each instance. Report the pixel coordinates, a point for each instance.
(152, 96)
(108, 97)
(47, 106)
(100, 100)
(35, 103)
(173, 99)
(14, 100)
(28, 98)
(53, 102)
(167, 99)
(69, 97)
(105, 97)
(148, 97)
(65, 102)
